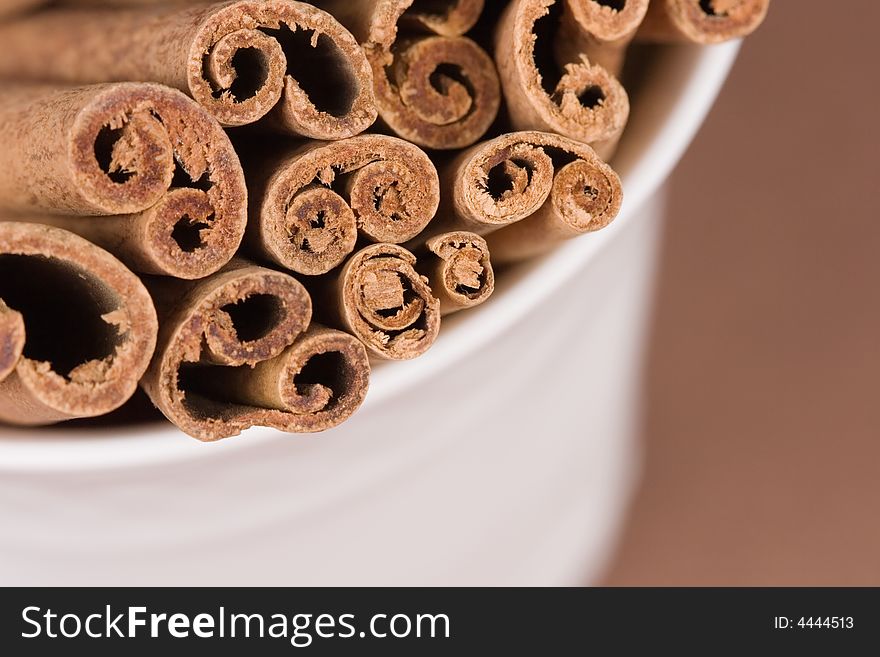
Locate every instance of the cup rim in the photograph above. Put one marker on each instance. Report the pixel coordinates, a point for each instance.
(658, 134)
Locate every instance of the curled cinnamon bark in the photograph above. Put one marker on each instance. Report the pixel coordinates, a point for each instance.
(496, 182)
(77, 329)
(313, 385)
(556, 187)
(459, 270)
(232, 354)
(702, 21)
(599, 29)
(141, 151)
(241, 60)
(537, 188)
(382, 300)
(308, 206)
(580, 99)
(438, 90)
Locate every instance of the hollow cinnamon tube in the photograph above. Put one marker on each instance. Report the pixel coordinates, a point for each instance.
(380, 298)
(233, 352)
(308, 206)
(529, 191)
(459, 270)
(702, 21)
(580, 100)
(439, 90)
(556, 186)
(141, 151)
(241, 60)
(77, 328)
(599, 29)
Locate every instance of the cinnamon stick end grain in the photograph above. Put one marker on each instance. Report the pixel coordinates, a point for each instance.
(459, 270)
(387, 304)
(90, 326)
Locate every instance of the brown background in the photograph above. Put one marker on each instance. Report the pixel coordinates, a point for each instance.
(763, 417)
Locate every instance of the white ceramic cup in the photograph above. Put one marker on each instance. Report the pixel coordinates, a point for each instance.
(504, 456)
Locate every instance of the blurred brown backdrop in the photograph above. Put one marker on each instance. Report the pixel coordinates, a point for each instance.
(763, 417)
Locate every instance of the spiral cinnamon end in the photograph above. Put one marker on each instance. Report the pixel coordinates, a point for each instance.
(608, 21)
(316, 201)
(702, 21)
(460, 271)
(580, 100)
(252, 57)
(440, 92)
(585, 195)
(325, 379)
(88, 324)
(387, 304)
(714, 21)
(230, 322)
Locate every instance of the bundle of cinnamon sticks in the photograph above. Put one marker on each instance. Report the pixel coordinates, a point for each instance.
(240, 205)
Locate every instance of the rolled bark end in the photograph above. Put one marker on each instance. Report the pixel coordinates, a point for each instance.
(239, 317)
(499, 182)
(121, 153)
(387, 304)
(316, 233)
(519, 175)
(394, 198)
(438, 92)
(118, 149)
(89, 327)
(608, 21)
(586, 195)
(599, 29)
(310, 204)
(245, 70)
(250, 57)
(433, 86)
(318, 382)
(702, 21)
(252, 316)
(183, 237)
(580, 100)
(459, 270)
(444, 17)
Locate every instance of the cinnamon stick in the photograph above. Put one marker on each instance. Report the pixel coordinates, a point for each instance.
(459, 270)
(702, 21)
(243, 60)
(599, 29)
(439, 90)
(579, 99)
(77, 329)
(495, 183)
(528, 191)
(380, 298)
(555, 186)
(141, 151)
(308, 206)
(233, 352)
